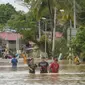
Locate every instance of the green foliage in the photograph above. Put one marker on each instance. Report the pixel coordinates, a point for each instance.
(60, 46)
(18, 21)
(78, 43)
(82, 55)
(22, 21)
(42, 39)
(42, 42)
(24, 24)
(28, 35)
(1, 27)
(5, 12)
(81, 17)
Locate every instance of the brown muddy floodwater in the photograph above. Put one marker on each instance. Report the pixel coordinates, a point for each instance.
(69, 74)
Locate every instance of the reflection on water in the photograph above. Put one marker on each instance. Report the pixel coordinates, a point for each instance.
(68, 75)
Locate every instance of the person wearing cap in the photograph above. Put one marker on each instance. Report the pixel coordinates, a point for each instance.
(54, 66)
(43, 65)
(32, 66)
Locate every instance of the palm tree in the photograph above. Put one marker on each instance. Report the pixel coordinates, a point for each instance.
(42, 8)
(45, 8)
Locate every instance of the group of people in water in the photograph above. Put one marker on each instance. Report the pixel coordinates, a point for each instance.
(43, 65)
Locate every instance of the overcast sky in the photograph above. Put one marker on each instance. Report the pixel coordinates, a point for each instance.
(17, 5)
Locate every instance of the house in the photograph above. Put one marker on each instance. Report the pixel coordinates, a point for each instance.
(10, 40)
(57, 34)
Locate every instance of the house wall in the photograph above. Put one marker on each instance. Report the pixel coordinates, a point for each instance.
(12, 44)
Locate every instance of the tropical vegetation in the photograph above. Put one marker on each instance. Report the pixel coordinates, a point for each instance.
(28, 23)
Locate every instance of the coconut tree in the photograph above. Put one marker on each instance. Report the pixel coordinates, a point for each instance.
(45, 8)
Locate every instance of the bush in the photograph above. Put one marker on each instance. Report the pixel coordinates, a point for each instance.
(82, 56)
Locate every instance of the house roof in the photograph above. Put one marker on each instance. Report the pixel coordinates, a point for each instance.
(9, 35)
(58, 34)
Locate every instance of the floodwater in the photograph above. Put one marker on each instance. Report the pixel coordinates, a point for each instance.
(69, 74)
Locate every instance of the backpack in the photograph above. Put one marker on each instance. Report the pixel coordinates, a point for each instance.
(14, 61)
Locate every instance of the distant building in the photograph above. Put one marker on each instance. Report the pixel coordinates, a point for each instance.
(57, 34)
(10, 40)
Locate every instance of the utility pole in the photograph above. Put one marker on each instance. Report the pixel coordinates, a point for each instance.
(53, 45)
(70, 49)
(45, 21)
(7, 43)
(39, 29)
(45, 35)
(74, 14)
(17, 43)
(70, 30)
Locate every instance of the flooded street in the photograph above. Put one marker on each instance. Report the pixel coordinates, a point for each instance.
(69, 74)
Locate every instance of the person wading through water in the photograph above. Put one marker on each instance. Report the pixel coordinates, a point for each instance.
(32, 66)
(43, 66)
(14, 62)
(54, 66)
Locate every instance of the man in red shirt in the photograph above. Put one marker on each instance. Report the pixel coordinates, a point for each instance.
(54, 66)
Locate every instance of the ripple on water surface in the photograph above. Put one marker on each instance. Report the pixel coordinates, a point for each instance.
(24, 78)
